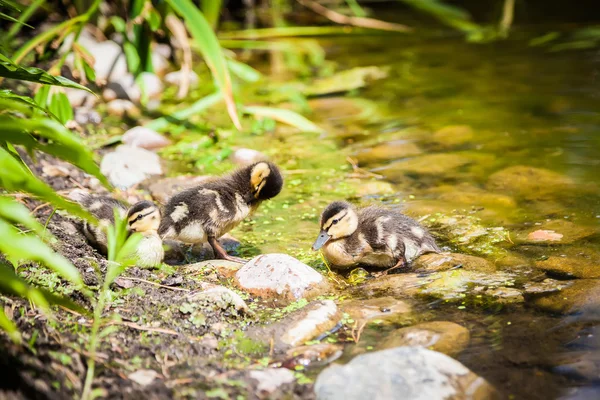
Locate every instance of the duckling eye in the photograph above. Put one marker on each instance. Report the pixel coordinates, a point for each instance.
(138, 218)
(335, 221)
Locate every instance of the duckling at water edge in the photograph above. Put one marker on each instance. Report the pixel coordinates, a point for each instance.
(371, 236)
(208, 211)
(143, 217)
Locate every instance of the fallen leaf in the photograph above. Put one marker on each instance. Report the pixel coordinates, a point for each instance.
(542, 235)
(124, 283)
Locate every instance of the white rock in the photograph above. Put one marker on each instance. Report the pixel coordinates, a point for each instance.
(122, 87)
(318, 315)
(159, 61)
(120, 107)
(175, 77)
(222, 297)
(80, 98)
(272, 378)
(129, 165)
(244, 157)
(280, 276)
(143, 377)
(110, 59)
(145, 138)
(409, 372)
(151, 85)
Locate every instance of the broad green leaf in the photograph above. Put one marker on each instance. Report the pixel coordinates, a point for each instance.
(63, 143)
(153, 19)
(59, 105)
(118, 23)
(17, 213)
(211, 51)
(14, 177)
(7, 94)
(24, 247)
(286, 116)
(211, 9)
(10, 70)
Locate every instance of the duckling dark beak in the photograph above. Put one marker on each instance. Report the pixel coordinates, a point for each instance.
(321, 240)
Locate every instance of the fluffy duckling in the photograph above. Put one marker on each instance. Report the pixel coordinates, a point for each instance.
(143, 217)
(208, 211)
(371, 236)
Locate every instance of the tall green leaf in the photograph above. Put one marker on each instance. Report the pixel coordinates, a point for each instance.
(211, 9)
(9, 327)
(9, 95)
(16, 213)
(16, 178)
(10, 70)
(24, 247)
(286, 116)
(62, 143)
(211, 51)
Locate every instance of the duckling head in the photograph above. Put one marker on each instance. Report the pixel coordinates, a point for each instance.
(339, 220)
(143, 216)
(265, 180)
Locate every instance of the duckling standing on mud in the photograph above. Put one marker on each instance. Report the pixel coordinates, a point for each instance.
(371, 236)
(208, 211)
(143, 217)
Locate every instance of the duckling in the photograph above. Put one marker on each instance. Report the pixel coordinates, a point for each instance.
(371, 236)
(143, 217)
(208, 211)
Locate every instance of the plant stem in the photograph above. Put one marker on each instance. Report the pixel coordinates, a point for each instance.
(91, 362)
(508, 13)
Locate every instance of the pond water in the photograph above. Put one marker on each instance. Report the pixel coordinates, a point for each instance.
(500, 140)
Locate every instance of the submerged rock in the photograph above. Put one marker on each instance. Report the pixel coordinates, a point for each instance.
(571, 266)
(469, 195)
(344, 81)
(280, 277)
(529, 182)
(298, 327)
(445, 261)
(545, 286)
(162, 189)
(389, 151)
(370, 187)
(313, 355)
(408, 372)
(382, 308)
(426, 165)
(578, 364)
(442, 336)
(127, 166)
(453, 135)
(581, 297)
(558, 231)
(145, 138)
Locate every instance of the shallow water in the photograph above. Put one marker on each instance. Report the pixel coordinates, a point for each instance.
(514, 105)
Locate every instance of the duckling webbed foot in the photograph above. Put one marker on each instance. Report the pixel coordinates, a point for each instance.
(400, 264)
(221, 253)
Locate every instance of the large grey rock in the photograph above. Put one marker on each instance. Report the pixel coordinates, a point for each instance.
(145, 138)
(127, 166)
(298, 327)
(404, 372)
(280, 277)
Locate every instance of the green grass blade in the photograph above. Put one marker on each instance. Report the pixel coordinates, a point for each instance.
(9, 95)
(203, 104)
(211, 10)
(25, 15)
(16, 213)
(244, 71)
(15, 177)
(9, 327)
(286, 116)
(211, 51)
(10, 70)
(22, 247)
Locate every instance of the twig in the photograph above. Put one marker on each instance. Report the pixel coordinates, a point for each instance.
(359, 171)
(79, 185)
(154, 283)
(39, 207)
(355, 21)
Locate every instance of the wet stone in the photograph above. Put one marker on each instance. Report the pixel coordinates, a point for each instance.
(162, 189)
(415, 372)
(578, 364)
(298, 327)
(364, 188)
(570, 265)
(145, 138)
(545, 286)
(280, 277)
(390, 151)
(529, 182)
(442, 336)
(344, 81)
(581, 297)
(427, 165)
(127, 166)
(505, 295)
(383, 308)
(445, 261)
(314, 355)
(453, 135)
(558, 231)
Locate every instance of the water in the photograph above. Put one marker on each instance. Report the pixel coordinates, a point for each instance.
(516, 106)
